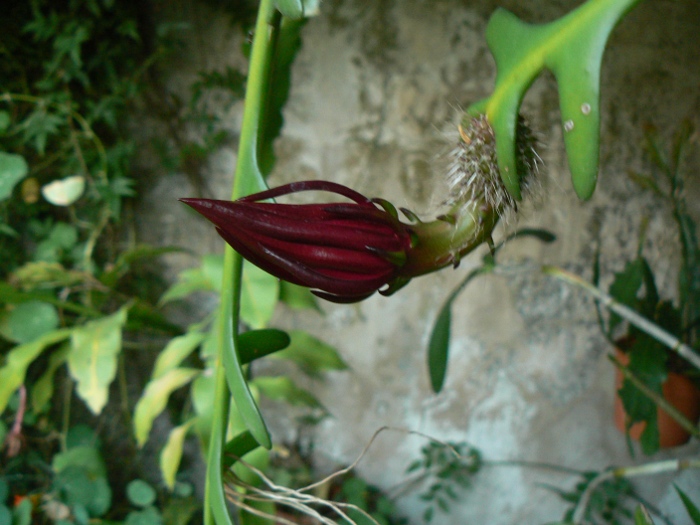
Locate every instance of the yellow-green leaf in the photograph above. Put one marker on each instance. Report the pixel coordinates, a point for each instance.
(171, 454)
(18, 360)
(175, 352)
(155, 398)
(92, 360)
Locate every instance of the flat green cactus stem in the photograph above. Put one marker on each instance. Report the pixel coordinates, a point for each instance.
(572, 49)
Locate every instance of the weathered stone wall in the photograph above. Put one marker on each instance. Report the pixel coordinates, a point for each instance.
(377, 89)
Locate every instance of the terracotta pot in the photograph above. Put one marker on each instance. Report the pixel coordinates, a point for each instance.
(677, 390)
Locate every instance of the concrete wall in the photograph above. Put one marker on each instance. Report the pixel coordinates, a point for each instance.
(376, 92)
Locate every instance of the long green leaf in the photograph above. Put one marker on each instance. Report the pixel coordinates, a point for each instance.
(228, 344)
(92, 360)
(690, 507)
(18, 360)
(439, 346)
(642, 516)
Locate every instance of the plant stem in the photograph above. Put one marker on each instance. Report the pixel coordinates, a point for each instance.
(672, 465)
(627, 313)
(229, 376)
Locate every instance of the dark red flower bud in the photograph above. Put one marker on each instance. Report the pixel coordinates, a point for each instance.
(347, 251)
(344, 252)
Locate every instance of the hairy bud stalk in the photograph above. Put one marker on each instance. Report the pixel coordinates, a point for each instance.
(478, 198)
(345, 252)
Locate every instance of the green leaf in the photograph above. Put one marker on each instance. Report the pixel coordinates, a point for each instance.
(23, 512)
(4, 490)
(171, 454)
(8, 231)
(690, 507)
(206, 278)
(61, 239)
(267, 508)
(259, 292)
(13, 168)
(42, 390)
(255, 344)
(35, 276)
(625, 287)
(140, 493)
(176, 351)
(29, 321)
(538, 233)
(258, 458)
(92, 361)
(647, 362)
(238, 447)
(155, 398)
(311, 354)
(642, 517)
(5, 515)
(82, 435)
(202, 392)
(132, 255)
(85, 457)
(147, 516)
(180, 510)
(282, 388)
(18, 360)
(4, 122)
(439, 346)
(39, 126)
(572, 49)
(213, 270)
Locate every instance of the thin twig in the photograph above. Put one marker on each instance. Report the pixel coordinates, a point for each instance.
(671, 465)
(627, 313)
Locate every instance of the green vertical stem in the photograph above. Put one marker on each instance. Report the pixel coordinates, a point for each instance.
(215, 508)
(230, 378)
